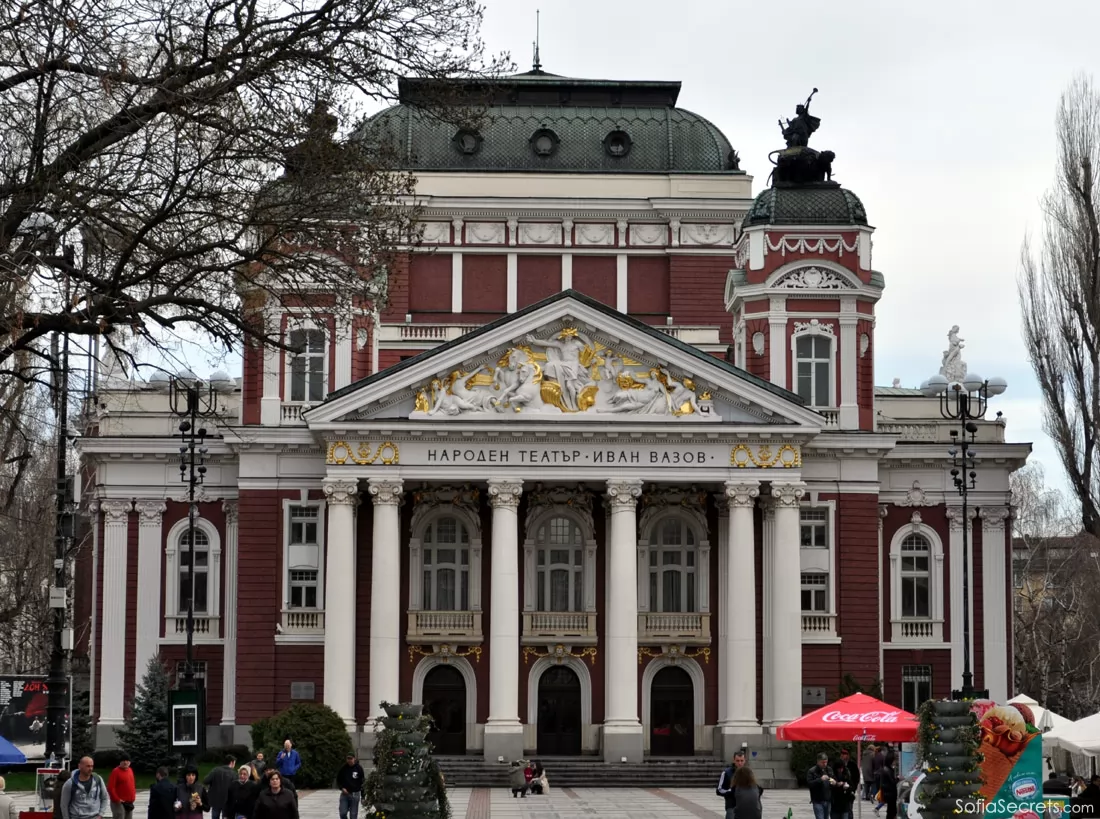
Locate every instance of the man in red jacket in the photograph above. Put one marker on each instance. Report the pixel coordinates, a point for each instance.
(121, 790)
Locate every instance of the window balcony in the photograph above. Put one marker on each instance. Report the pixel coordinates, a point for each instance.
(917, 630)
(570, 627)
(688, 628)
(206, 628)
(818, 627)
(445, 626)
(303, 622)
(831, 416)
(291, 413)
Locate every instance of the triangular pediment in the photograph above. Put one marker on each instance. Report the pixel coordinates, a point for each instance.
(567, 358)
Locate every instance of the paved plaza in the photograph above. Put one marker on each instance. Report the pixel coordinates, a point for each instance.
(560, 803)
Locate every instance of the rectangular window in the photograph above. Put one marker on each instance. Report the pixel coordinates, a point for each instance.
(303, 589)
(813, 369)
(200, 582)
(814, 528)
(303, 524)
(916, 686)
(307, 365)
(815, 593)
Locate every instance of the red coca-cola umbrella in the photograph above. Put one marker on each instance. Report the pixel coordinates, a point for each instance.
(858, 718)
(853, 719)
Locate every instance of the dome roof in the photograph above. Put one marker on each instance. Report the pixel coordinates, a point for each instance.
(822, 204)
(543, 122)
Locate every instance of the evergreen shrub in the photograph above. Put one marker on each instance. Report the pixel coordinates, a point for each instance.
(319, 736)
(145, 735)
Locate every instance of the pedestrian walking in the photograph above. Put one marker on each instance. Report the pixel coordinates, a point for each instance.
(190, 795)
(746, 794)
(162, 796)
(84, 795)
(350, 780)
(121, 789)
(867, 762)
(288, 762)
(888, 786)
(258, 766)
(243, 795)
(217, 783)
(276, 802)
(7, 804)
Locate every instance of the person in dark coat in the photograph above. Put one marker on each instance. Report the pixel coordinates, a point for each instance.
(746, 794)
(820, 779)
(241, 801)
(276, 802)
(162, 796)
(217, 783)
(1087, 803)
(843, 790)
(888, 783)
(285, 783)
(191, 800)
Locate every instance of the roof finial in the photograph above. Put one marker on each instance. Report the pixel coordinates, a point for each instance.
(537, 67)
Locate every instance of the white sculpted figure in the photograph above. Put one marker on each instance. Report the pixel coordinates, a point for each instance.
(680, 395)
(565, 363)
(519, 382)
(954, 368)
(652, 399)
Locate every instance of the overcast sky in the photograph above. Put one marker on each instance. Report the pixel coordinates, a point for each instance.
(941, 115)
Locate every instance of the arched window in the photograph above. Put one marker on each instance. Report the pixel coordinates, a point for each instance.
(916, 577)
(559, 569)
(446, 562)
(672, 565)
(194, 584)
(813, 369)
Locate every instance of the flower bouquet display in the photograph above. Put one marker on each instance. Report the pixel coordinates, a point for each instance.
(1006, 732)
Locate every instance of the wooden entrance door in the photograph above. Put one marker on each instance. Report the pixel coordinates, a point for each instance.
(559, 712)
(672, 713)
(445, 700)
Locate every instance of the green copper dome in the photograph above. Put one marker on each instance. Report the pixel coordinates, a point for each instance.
(543, 122)
(820, 204)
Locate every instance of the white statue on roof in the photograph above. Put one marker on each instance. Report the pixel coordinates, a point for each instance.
(953, 368)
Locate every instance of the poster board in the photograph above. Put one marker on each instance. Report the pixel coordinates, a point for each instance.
(23, 701)
(1012, 766)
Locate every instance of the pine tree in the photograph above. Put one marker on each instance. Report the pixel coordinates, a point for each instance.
(83, 743)
(406, 782)
(145, 735)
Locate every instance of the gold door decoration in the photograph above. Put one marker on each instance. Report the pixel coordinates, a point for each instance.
(444, 652)
(559, 654)
(674, 653)
(569, 373)
(785, 456)
(363, 453)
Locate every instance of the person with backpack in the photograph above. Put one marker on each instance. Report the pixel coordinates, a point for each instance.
(84, 795)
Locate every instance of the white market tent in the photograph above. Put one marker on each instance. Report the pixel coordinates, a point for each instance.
(1045, 720)
(1081, 737)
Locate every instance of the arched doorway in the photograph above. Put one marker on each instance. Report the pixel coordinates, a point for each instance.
(672, 713)
(559, 701)
(445, 700)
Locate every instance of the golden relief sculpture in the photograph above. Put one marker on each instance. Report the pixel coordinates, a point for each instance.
(786, 456)
(341, 452)
(568, 374)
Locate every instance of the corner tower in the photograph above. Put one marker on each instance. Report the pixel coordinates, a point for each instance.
(802, 292)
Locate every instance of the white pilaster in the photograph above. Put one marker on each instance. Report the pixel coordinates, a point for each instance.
(994, 608)
(503, 731)
(271, 402)
(150, 514)
(343, 496)
(93, 640)
(767, 507)
(116, 516)
(342, 339)
(456, 282)
(622, 730)
(739, 645)
(955, 556)
(513, 282)
(777, 341)
(621, 287)
(229, 617)
(786, 596)
(385, 596)
(848, 361)
(567, 271)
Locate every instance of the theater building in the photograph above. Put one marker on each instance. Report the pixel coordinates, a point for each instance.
(608, 473)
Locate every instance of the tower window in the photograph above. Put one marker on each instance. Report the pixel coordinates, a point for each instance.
(813, 369)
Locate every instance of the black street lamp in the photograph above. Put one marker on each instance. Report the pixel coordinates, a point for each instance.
(964, 402)
(191, 400)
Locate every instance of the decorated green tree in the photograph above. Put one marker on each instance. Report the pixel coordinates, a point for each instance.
(950, 748)
(145, 734)
(406, 782)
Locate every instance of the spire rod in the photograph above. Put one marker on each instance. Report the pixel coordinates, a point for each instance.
(538, 65)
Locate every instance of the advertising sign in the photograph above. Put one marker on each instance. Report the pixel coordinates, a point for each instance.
(1012, 768)
(23, 715)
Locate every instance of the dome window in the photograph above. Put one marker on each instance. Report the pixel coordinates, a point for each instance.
(467, 142)
(617, 144)
(544, 142)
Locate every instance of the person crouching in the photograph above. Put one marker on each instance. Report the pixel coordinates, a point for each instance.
(517, 779)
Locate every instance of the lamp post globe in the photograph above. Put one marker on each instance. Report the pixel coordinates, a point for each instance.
(996, 386)
(934, 386)
(972, 382)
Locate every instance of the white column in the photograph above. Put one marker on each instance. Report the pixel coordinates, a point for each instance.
(503, 731)
(229, 617)
(112, 663)
(339, 602)
(739, 645)
(150, 513)
(271, 401)
(786, 596)
(622, 730)
(513, 282)
(343, 346)
(621, 283)
(778, 346)
(385, 595)
(456, 282)
(994, 607)
(767, 508)
(848, 361)
(93, 639)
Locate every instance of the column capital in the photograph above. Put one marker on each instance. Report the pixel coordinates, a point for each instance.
(115, 511)
(341, 491)
(232, 511)
(623, 494)
(150, 511)
(995, 517)
(505, 493)
(385, 491)
(955, 517)
(787, 495)
(742, 493)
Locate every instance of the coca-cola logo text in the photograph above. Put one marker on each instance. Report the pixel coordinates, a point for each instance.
(870, 716)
